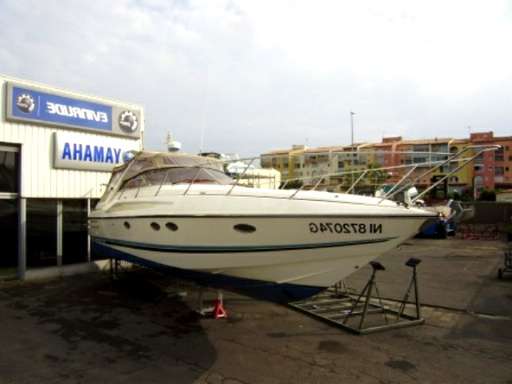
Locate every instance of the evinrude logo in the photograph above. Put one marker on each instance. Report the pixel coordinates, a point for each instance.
(128, 121)
(25, 103)
(76, 112)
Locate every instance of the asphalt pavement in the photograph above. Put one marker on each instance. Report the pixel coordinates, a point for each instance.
(142, 328)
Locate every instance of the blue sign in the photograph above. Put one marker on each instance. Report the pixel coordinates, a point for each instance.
(84, 152)
(92, 153)
(40, 106)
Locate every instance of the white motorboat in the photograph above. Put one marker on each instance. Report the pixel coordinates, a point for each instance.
(182, 213)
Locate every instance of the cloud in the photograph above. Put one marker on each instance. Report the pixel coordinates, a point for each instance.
(255, 75)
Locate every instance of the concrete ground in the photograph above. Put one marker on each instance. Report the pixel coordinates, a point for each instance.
(88, 329)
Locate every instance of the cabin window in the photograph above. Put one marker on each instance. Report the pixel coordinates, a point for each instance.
(127, 225)
(155, 226)
(111, 184)
(137, 166)
(136, 182)
(171, 226)
(244, 228)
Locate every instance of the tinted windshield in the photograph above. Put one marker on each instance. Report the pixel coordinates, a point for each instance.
(177, 176)
(111, 184)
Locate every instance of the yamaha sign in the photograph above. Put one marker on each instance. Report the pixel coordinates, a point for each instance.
(30, 104)
(84, 152)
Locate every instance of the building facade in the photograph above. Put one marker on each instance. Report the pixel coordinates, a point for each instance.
(57, 149)
(320, 166)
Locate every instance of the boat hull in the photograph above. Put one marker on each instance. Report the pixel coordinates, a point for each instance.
(256, 288)
(292, 254)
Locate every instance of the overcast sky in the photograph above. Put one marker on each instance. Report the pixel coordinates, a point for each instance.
(255, 75)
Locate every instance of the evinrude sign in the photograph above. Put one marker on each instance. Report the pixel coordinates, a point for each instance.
(79, 151)
(35, 105)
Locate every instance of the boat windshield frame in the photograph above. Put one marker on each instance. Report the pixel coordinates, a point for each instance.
(146, 162)
(213, 176)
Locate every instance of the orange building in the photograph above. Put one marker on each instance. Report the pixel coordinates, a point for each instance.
(492, 170)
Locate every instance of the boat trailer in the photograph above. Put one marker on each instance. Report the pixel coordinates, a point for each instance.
(365, 312)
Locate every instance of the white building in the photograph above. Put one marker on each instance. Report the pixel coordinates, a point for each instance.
(56, 151)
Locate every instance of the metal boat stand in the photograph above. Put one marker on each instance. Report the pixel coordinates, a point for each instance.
(507, 262)
(365, 313)
(114, 266)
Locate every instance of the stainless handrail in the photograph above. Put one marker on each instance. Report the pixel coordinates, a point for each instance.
(413, 166)
(454, 157)
(239, 177)
(119, 183)
(341, 173)
(357, 181)
(296, 191)
(492, 148)
(192, 181)
(163, 182)
(318, 183)
(302, 187)
(390, 193)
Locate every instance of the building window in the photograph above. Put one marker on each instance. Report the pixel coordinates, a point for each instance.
(9, 162)
(499, 154)
(74, 224)
(41, 232)
(499, 171)
(9, 230)
(421, 148)
(266, 163)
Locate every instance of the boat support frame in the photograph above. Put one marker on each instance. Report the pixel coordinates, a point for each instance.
(355, 313)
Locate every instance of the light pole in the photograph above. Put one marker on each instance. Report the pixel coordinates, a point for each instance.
(352, 146)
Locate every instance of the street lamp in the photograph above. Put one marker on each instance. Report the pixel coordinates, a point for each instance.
(352, 129)
(352, 146)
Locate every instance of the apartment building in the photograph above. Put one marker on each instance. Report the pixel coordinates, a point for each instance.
(492, 170)
(321, 166)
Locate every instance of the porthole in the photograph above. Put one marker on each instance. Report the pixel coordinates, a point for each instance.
(244, 228)
(155, 226)
(126, 225)
(171, 226)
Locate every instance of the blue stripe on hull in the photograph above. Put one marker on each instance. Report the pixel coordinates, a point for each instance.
(238, 249)
(255, 288)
